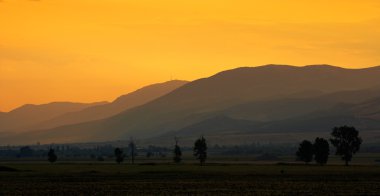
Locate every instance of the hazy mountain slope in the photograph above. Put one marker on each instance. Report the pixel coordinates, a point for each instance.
(290, 107)
(369, 109)
(217, 125)
(358, 115)
(133, 99)
(195, 101)
(318, 121)
(277, 109)
(363, 115)
(25, 116)
(352, 96)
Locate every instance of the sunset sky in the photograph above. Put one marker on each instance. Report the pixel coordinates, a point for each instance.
(95, 50)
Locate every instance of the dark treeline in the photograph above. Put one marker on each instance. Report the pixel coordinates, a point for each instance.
(66, 151)
(255, 149)
(107, 151)
(345, 140)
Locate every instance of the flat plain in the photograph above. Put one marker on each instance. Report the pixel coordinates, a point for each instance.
(107, 178)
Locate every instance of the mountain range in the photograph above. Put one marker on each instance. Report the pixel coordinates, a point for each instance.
(122, 103)
(29, 117)
(244, 101)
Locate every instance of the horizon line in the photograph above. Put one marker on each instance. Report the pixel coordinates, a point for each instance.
(238, 67)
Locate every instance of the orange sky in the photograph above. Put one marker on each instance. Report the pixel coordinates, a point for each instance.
(93, 50)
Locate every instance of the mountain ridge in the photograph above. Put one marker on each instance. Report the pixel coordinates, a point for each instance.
(28, 114)
(197, 100)
(121, 103)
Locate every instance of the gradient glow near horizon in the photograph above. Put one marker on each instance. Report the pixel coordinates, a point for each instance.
(88, 50)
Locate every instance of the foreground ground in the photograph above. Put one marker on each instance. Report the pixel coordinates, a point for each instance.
(164, 179)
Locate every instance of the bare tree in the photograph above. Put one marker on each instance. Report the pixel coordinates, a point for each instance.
(132, 150)
(177, 152)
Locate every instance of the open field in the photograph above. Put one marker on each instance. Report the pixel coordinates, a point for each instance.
(187, 157)
(163, 179)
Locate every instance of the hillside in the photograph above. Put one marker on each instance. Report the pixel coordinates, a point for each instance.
(203, 98)
(285, 108)
(122, 103)
(20, 119)
(319, 118)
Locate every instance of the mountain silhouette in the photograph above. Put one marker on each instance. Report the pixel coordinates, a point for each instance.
(216, 125)
(364, 116)
(277, 95)
(285, 108)
(122, 103)
(27, 115)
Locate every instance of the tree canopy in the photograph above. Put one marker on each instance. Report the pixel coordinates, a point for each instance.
(119, 155)
(346, 141)
(200, 150)
(305, 151)
(52, 157)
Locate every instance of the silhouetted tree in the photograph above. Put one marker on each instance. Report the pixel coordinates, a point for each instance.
(346, 141)
(119, 155)
(26, 151)
(177, 152)
(321, 151)
(132, 150)
(52, 157)
(200, 150)
(305, 151)
(149, 154)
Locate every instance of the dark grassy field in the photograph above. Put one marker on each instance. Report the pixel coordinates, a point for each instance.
(187, 179)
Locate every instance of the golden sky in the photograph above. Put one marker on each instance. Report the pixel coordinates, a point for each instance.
(94, 50)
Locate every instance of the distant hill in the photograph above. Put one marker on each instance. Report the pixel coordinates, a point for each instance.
(122, 103)
(20, 119)
(285, 108)
(359, 115)
(216, 126)
(278, 86)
